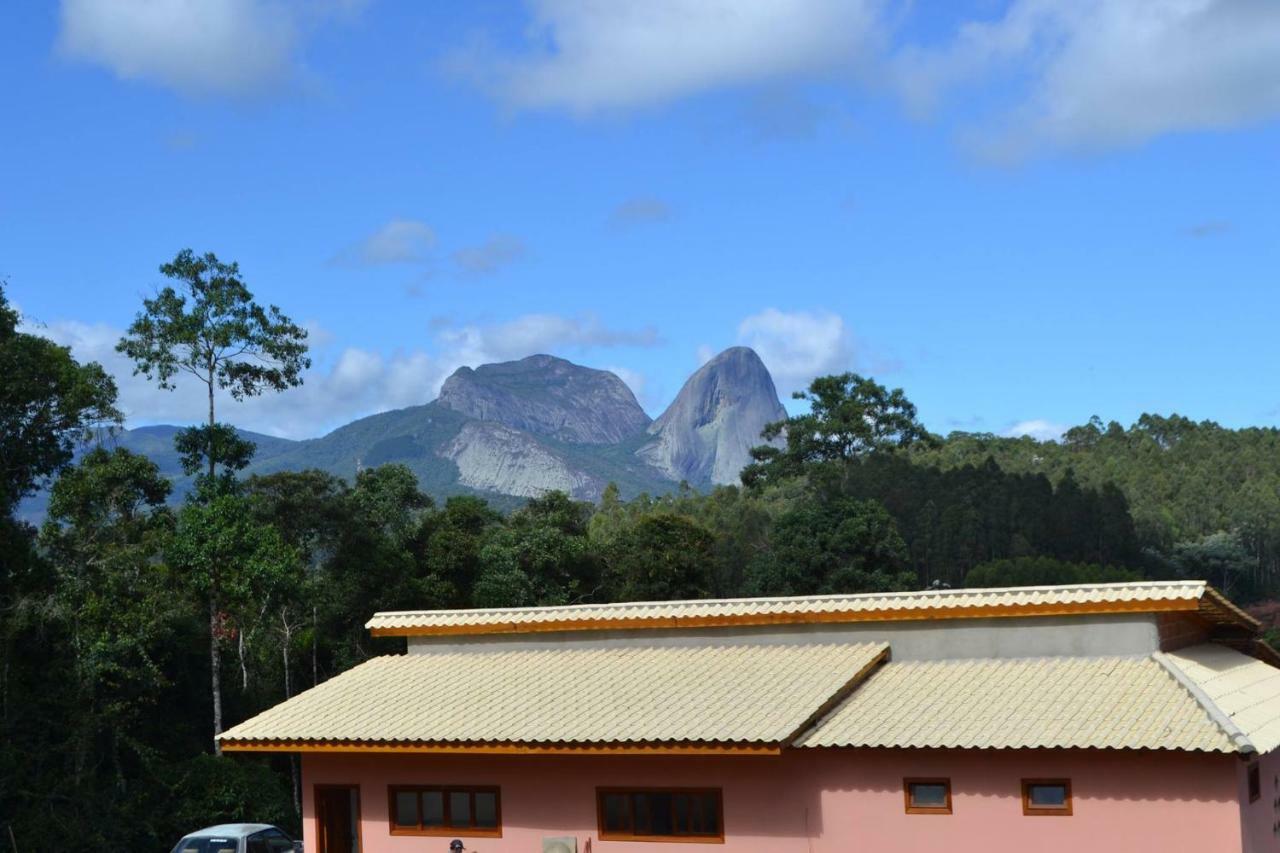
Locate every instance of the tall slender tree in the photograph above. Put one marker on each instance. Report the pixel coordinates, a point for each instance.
(208, 325)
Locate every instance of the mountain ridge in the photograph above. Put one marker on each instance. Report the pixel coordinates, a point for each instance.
(512, 430)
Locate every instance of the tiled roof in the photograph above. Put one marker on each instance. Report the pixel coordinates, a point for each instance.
(1246, 691)
(1111, 702)
(927, 604)
(758, 693)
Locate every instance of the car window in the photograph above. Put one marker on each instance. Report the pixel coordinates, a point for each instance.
(206, 845)
(269, 841)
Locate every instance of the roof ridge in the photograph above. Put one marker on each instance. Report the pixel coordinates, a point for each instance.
(1211, 708)
(837, 698)
(782, 599)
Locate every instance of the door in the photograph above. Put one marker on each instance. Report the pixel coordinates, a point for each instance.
(338, 818)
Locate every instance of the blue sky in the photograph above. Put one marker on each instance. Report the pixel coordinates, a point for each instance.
(1024, 213)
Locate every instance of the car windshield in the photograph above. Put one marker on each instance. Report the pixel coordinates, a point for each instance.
(206, 844)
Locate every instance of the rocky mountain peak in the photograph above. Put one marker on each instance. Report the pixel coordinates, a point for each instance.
(548, 396)
(706, 434)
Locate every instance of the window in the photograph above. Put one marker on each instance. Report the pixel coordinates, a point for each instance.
(660, 814)
(444, 811)
(269, 841)
(1046, 796)
(206, 845)
(1255, 782)
(927, 796)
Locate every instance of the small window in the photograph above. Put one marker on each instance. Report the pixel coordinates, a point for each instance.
(927, 796)
(676, 814)
(445, 810)
(1046, 796)
(1255, 782)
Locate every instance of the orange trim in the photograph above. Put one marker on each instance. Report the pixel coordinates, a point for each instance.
(500, 748)
(446, 828)
(1028, 809)
(914, 809)
(605, 835)
(987, 611)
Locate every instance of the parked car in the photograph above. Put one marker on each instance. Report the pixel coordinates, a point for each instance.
(238, 838)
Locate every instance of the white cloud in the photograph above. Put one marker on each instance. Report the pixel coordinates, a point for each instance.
(225, 47)
(1037, 428)
(592, 55)
(635, 380)
(536, 333)
(797, 346)
(354, 383)
(400, 241)
(500, 250)
(1099, 73)
(640, 210)
(346, 384)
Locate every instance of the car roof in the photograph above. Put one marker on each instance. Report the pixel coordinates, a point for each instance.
(230, 830)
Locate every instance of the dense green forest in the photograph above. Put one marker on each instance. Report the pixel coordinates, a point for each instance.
(131, 631)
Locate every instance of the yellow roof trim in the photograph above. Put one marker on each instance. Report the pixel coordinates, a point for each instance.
(345, 747)
(1010, 602)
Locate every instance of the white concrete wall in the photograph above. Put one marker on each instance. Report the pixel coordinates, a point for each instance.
(924, 639)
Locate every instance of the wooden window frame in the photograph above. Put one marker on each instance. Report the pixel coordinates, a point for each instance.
(446, 828)
(606, 835)
(921, 780)
(1253, 782)
(1043, 811)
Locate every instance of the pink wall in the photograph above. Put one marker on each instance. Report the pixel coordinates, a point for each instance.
(835, 801)
(1260, 820)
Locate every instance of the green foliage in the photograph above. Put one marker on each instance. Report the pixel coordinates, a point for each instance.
(849, 418)
(955, 519)
(663, 557)
(209, 326)
(211, 789)
(1183, 480)
(450, 544)
(832, 545)
(541, 556)
(1220, 558)
(207, 448)
(218, 549)
(48, 401)
(1040, 571)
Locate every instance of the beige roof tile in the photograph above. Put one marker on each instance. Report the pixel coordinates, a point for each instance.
(1246, 691)
(630, 694)
(1189, 595)
(1111, 702)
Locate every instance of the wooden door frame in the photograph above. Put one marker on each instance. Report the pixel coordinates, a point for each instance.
(316, 800)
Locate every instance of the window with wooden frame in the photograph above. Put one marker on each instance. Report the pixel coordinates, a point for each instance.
(444, 810)
(661, 814)
(1046, 797)
(1255, 782)
(927, 796)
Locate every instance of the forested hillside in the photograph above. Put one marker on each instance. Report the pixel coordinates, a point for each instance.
(131, 630)
(1191, 486)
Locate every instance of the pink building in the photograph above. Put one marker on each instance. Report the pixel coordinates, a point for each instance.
(1111, 717)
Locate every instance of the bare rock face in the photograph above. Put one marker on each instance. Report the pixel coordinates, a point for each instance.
(707, 433)
(496, 458)
(548, 396)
